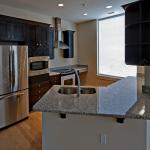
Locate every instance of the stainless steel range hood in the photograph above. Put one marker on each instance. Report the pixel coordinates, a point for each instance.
(58, 35)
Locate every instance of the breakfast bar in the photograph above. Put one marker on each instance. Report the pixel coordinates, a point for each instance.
(97, 119)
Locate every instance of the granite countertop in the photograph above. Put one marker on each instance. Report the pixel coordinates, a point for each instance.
(80, 68)
(118, 100)
(53, 73)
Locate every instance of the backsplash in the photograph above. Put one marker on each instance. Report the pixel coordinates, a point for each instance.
(60, 61)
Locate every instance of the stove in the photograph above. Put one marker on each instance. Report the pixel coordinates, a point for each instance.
(67, 76)
(65, 71)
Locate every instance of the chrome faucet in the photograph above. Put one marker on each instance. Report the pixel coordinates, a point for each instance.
(78, 82)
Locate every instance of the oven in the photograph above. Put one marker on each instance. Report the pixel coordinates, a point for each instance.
(67, 75)
(68, 79)
(38, 65)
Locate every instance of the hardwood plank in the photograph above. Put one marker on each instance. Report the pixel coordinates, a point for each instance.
(26, 135)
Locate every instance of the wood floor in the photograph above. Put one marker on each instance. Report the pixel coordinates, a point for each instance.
(26, 135)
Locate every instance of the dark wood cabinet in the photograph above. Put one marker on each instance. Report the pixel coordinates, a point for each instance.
(137, 33)
(17, 32)
(55, 80)
(51, 43)
(11, 29)
(69, 40)
(38, 40)
(39, 85)
(42, 40)
(31, 39)
(4, 30)
(38, 36)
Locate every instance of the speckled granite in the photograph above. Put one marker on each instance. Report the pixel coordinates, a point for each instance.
(81, 68)
(118, 100)
(53, 73)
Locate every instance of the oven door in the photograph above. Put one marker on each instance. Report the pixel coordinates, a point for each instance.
(68, 80)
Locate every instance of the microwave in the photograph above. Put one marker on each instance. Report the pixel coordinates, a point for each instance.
(38, 65)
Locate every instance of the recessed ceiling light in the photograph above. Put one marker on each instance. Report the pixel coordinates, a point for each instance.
(108, 7)
(61, 5)
(85, 14)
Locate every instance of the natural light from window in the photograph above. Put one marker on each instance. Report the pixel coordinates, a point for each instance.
(111, 52)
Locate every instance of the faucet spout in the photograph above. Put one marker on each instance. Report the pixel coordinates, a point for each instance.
(78, 82)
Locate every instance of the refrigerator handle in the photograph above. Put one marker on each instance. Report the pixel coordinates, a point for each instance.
(14, 70)
(11, 95)
(10, 68)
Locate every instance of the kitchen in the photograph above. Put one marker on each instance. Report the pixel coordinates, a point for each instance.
(84, 61)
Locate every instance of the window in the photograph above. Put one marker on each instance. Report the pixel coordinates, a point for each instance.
(111, 50)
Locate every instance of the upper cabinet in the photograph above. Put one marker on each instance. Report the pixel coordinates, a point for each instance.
(38, 36)
(11, 29)
(40, 40)
(51, 42)
(69, 40)
(137, 33)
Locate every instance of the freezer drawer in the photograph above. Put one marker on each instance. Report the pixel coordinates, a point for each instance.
(13, 107)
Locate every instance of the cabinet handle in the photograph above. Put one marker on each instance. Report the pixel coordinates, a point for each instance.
(37, 44)
(40, 44)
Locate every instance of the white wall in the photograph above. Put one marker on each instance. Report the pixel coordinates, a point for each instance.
(87, 49)
(66, 25)
(82, 132)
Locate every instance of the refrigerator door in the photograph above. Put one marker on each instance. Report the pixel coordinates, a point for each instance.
(5, 70)
(13, 107)
(19, 55)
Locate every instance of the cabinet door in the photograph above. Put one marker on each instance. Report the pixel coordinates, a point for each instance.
(69, 40)
(4, 27)
(51, 43)
(42, 39)
(11, 30)
(31, 39)
(38, 86)
(17, 31)
(36, 91)
(55, 80)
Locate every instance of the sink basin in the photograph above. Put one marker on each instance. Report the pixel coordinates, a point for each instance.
(73, 90)
(88, 91)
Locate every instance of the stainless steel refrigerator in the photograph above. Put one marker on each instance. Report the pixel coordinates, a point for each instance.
(13, 84)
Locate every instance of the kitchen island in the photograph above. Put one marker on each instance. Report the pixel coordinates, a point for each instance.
(89, 121)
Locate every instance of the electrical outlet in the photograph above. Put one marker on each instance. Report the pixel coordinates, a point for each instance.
(103, 139)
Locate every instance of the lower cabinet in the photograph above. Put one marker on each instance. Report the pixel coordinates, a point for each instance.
(37, 91)
(39, 85)
(55, 80)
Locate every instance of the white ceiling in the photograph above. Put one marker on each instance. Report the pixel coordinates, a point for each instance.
(72, 10)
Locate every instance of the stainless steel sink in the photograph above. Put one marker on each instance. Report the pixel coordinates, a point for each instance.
(73, 90)
(88, 90)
